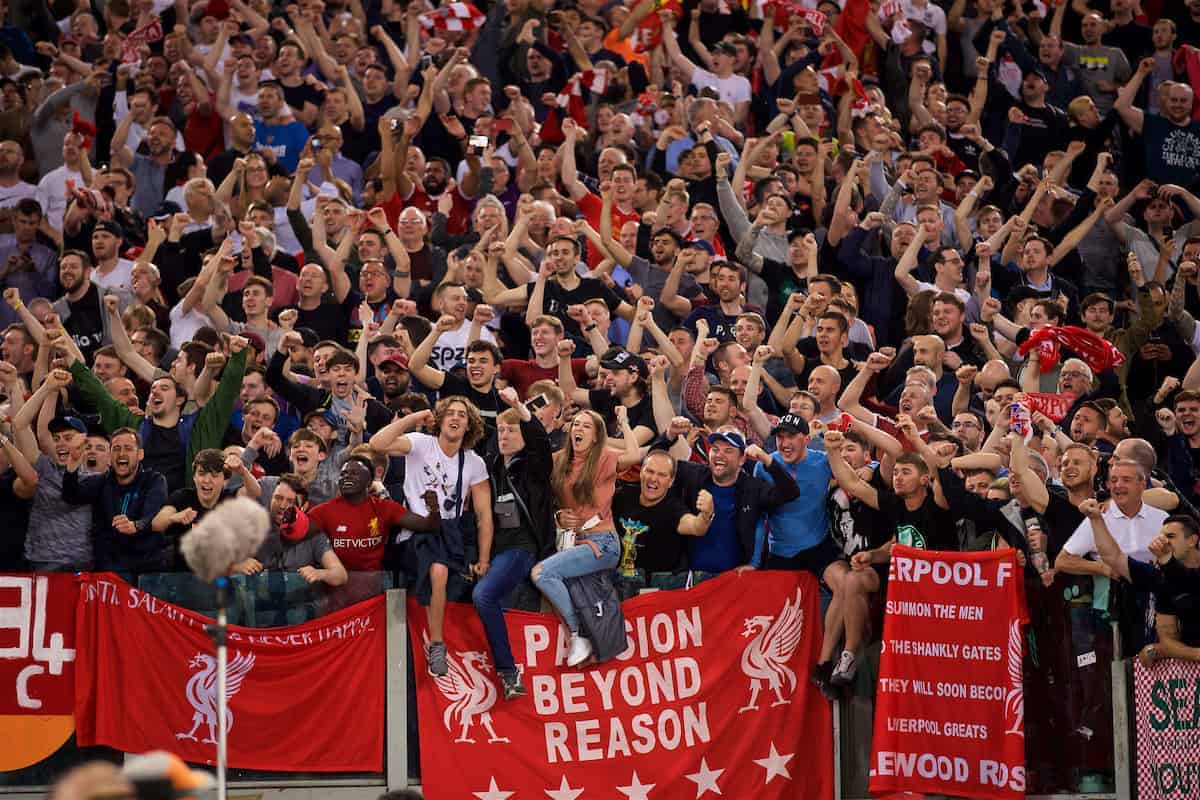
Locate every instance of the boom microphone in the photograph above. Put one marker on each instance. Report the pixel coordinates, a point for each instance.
(226, 536)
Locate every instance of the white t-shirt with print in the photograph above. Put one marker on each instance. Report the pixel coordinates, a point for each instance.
(734, 89)
(428, 467)
(451, 348)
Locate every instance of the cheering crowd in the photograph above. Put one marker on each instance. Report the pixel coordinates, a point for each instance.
(497, 297)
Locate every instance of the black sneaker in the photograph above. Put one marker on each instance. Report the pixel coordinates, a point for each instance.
(513, 687)
(436, 655)
(821, 675)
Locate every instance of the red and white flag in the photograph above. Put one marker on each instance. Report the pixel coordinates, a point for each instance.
(571, 99)
(710, 699)
(453, 17)
(152, 31)
(305, 698)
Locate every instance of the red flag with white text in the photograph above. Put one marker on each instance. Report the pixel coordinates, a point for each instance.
(305, 698)
(950, 705)
(711, 698)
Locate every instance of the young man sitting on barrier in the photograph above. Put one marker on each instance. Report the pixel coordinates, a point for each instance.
(1173, 577)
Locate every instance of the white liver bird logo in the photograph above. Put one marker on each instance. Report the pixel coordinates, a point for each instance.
(202, 692)
(764, 660)
(471, 694)
(1014, 700)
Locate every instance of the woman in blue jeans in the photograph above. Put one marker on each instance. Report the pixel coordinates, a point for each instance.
(584, 480)
(522, 524)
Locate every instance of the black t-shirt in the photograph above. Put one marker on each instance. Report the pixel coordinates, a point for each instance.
(86, 324)
(557, 299)
(927, 527)
(179, 500)
(650, 538)
(1059, 520)
(297, 96)
(1176, 592)
(641, 413)
(489, 403)
(330, 320)
(855, 525)
(14, 521)
(807, 347)
(166, 454)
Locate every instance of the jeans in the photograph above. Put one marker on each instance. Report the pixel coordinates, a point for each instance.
(507, 570)
(578, 560)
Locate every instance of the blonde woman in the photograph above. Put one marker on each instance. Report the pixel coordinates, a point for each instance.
(584, 480)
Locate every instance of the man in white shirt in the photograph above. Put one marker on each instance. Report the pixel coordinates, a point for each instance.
(111, 271)
(1132, 523)
(934, 20)
(451, 348)
(12, 188)
(52, 189)
(731, 88)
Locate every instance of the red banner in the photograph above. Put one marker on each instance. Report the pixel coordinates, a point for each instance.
(950, 708)
(711, 698)
(1054, 406)
(305, 698)
(37, 666)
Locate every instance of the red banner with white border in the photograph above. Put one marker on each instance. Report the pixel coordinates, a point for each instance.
(711, 698)
(304, 698)
(950, 705)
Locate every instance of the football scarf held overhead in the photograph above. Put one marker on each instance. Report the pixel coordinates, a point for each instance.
(710, 698)
(305, 698)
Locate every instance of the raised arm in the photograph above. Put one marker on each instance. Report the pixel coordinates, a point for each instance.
(1133, 116)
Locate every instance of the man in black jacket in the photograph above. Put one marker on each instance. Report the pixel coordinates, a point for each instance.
(124, 502)
(522, 509)
(738, 500)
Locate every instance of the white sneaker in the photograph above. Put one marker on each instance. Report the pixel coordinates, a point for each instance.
(844, 672)
(580, 650)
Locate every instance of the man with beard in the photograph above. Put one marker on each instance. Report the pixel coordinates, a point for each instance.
(110, 271)
(727, 284)
(479, 386)
(1037, 126)
(948, 315)
(557, 288)
(651, 523)
(169, 435)
(52, 194)
(665, 246)
(624, 384)
(358, 524)
(392, 374)
(149, 170)
(340, 370)
(444, 463)
(545, 333)
(124, 502)
(738, 501)
(80, 306)
(1171, 139)
(211, 470)
(293, 544)
(241, 144)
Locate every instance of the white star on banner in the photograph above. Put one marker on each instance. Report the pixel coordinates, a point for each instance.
(775, 764)
(493, 793)
(564, 791)
(705, 779)
(636, 790)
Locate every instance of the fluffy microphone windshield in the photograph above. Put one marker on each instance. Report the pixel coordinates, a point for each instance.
(227, 535)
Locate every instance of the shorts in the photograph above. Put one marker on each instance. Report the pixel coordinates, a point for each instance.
(815, 559)
(445, 547)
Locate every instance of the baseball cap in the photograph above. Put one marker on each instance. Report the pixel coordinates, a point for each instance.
(308, 336)
(625, 360)
(399, 359)
(729, 437)
(724, 47)
(255, 339)
(700, 244)
(63, 422)
(1040, 72)
(168, 770)
(108, 226)
(791, 423)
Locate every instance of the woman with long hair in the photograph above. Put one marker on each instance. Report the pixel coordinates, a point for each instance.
(584, 480)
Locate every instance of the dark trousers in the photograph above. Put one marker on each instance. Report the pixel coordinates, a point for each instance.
(506, 572)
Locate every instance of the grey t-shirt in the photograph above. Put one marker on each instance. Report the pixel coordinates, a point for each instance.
(275, 554)
(652, 279)
(59, 532)
(1098, 63)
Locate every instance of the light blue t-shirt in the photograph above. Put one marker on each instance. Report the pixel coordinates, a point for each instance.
(803, 522)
